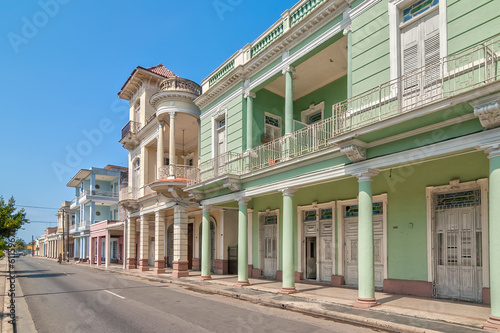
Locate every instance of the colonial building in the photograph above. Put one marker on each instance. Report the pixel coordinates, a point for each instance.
(96, 200)
(65, 221)
(357, 141)
(162, 140)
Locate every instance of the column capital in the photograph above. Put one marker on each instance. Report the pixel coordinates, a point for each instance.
(366, 176)
(172, 114)
(288, 191)
(492, 149)
(206, 208)
(287, 69)
(244, 200)
(347, 30)
(248, 94)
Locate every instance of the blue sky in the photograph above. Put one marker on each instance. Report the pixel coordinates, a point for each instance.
(63, 62)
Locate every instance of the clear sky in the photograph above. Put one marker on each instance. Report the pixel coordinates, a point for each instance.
(63, 62)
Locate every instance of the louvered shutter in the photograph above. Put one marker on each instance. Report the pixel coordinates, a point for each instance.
(410, 56)
(430, 30)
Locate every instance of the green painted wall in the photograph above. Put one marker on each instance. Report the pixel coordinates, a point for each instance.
(470, 22)
(407, 246)
(370, 48)
(266, 101)
(405, 188)
(331, 93)
(234, 128)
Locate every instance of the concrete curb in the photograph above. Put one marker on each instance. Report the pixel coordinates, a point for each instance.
(300, 305)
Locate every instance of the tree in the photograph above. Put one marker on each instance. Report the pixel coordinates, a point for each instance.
(19, 244)
(11, 219)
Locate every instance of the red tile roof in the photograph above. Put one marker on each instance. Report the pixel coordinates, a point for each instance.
(162, 70)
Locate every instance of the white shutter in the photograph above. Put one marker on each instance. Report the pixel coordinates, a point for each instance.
(430, 30)
(410, 57)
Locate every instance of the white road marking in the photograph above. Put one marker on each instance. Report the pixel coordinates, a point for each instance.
(109, 292)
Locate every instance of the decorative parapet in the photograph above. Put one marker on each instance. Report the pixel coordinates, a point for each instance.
(221, 73)
(180, 85)
(289, 19)
(305, 9)
(266, 40)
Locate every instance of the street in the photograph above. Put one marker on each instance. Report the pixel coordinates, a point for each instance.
(68, 298)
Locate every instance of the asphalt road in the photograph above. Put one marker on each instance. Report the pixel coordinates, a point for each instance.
(69, 298)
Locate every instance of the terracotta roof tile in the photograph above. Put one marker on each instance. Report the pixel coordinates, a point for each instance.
(162, 70)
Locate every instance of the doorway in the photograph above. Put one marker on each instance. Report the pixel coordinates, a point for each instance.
(311, 258)
(269, 244)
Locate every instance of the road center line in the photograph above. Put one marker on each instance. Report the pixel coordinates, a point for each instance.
(109, 292)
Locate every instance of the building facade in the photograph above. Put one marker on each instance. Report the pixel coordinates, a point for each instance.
(357, 143)
(96, 200)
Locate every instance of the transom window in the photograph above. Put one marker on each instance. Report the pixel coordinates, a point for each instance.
(418, 8)
(272, 126)
(271, 219)
(353, 210)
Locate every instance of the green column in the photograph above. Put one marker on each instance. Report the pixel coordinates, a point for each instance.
(249, 96)
(494, 232)
(288, 286)
(366, 266)
(243, 243)
(288, 99)
(205, 245)
(348, 32)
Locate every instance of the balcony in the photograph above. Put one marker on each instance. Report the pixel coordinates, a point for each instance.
(450, 76)
(129, 132)
(127, 193)
(106, 197)
(74, 203)
(171, 178)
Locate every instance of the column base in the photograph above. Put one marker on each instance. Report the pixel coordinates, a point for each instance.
(131, 263)
(159, 267)
(205, 278)
(241, 284)
(492, 324)
(287, 290)
(180, 269)
(365, 303)
(143, 265)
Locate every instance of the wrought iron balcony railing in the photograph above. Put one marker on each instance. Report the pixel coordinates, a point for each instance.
(131, 127)
(177, 170)
(99, 193)
(445, 78)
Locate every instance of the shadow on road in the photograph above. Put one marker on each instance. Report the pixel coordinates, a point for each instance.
(42, 275)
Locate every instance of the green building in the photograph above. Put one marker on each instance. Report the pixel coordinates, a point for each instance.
(357, 143)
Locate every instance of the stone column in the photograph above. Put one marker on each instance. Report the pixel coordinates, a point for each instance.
(159, 243)
(180, 260)
(288, 72)
(205, 244)
(144, 244)
(493, 323)
(99, 250)
(243, 242)
(131, 241)
(288, 284)
(171, 149)
(92, 251)
(366, 264)
(249, 96)
(159, 150)
(107, 250)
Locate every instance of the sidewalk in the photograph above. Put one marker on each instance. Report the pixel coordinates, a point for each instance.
(398, 313)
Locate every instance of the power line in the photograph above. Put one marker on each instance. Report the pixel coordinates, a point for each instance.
(43, 221)
(36, 207)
